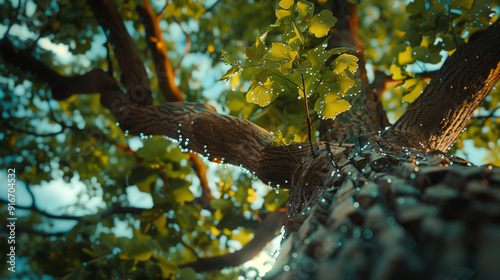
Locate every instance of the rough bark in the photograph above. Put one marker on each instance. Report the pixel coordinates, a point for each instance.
(441, 112)
(394, 214)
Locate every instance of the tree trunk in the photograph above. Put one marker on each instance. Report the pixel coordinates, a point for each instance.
(395, 213)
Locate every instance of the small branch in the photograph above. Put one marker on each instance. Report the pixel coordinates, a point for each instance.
(201, 171)
(108, 212)
(30, 230)
(264, 234)
(160, 14)
(158, 49)
(490, 115)
(213, 6)
(95, 81)
(188, 45)
(4, 123)
(14, 18)
(186, 245)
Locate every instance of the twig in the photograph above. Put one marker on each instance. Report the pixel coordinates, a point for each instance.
(308, 118)
(186, 245)
(188, 44)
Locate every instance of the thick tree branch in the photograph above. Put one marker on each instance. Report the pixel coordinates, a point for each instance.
(133, 73)
(166, 79)
(264, 234)
(441, 112)
(221, 138)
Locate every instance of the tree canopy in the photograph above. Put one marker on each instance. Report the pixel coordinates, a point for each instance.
(195, 104)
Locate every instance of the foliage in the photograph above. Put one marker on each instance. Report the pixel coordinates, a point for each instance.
(298, 63)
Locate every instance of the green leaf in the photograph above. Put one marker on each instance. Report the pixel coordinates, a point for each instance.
(168, 268)
(68, 29)
(281, 55)
(221, 204)
(321, 23)
(305, 11)
(226, 57)
(179, 189)
(263, 91)
(187, 273)
(257, 50)
(142, 177)
(187, 215)
(319, 54)
(273, 200)
(153, 148)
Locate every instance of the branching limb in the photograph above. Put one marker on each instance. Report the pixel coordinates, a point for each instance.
(95, 81)
(223, 138)
(133, 73)
(110, 211)
(166, 76)
(441, 112)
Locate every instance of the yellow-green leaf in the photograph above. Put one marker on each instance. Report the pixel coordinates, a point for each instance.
(262, 94)
(161, 222)
(285, 4)
(281, 55)
(230, 73)
(226, 57)
(235, 80)
(415, 92)
(304, 8)
(405, 58)
(332, 108)
(281, 14)
(345, 61)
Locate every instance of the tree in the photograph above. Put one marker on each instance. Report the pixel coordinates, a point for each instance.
(359, 198)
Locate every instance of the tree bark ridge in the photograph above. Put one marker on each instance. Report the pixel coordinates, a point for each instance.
(441, 112)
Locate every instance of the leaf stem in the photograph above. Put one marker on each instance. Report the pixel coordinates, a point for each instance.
(287, 79)
(308, 118)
